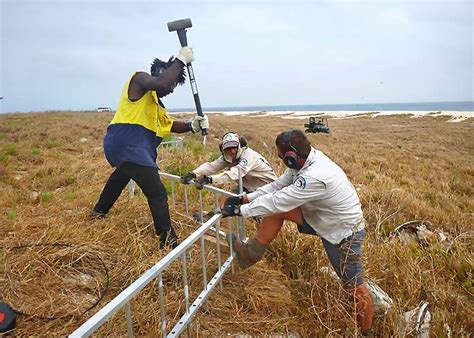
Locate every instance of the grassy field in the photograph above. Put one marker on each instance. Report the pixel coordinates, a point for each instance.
(54, 261)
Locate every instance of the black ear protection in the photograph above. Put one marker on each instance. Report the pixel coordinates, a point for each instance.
(290, 158)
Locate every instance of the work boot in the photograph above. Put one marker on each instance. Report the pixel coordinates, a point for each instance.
(94, 215)
(247, 253)
(365, 310)
(168, 239)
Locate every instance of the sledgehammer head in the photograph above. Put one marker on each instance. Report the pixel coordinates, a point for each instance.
(179, 25)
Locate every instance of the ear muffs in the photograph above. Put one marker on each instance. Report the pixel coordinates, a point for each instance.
(290, 158)
(242, 141)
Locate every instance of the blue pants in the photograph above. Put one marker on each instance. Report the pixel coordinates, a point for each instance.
(345, 257)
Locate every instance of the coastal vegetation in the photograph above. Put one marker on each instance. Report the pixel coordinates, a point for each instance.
(55, 261)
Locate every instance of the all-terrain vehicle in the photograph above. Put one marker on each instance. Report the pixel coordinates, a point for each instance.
(317, 125)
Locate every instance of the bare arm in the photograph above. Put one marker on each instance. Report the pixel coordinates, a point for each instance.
(143, 82)
(180, 127)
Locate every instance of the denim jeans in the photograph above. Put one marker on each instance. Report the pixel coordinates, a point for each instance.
(345, 257)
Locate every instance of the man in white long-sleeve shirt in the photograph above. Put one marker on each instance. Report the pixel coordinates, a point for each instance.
(255, 169)
(314, 193)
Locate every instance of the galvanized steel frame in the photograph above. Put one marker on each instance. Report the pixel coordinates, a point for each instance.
(123, 299)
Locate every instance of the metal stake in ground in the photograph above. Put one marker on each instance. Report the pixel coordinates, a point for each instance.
(180, 27)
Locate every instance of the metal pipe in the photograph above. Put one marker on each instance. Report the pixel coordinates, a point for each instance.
(185, 281)
(203, 263)
(162, 304)
(128, 314)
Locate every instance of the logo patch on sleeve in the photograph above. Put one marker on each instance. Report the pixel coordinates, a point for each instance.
(300, 182)
(243, 162)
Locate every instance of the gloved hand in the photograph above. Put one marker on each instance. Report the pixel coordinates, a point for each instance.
(203, 180)
(199, 122)
(186, 179)
(230, 210)
(185, 55)
(234, 200)
(206, 179)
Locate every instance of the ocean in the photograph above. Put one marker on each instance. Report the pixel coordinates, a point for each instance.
(369, 107)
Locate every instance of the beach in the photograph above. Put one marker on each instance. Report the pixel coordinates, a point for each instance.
(455, 116)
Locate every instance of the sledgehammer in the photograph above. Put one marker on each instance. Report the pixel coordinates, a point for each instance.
(180, 27)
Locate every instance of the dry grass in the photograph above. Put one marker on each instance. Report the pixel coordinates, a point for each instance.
(52, 170)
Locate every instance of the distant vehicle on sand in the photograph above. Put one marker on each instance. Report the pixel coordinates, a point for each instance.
(317, 125)
(104, 109)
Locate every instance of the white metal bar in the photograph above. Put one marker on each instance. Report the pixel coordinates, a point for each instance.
(162, 304)
(128, 314)
(185, 281)
(229, 223)
(206, 187)
(186, 318)
(172, 193)
(218, 242)
(203, 263)
(186, 200)
(123, 299)
(133, 289)
(201, 215)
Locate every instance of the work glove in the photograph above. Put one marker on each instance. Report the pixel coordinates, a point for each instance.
(199, 122)
(234, 200)
(203, 180)
(230, 210)
(185, 55)
(186, 179)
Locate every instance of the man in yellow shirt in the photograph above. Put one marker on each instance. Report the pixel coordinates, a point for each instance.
(137, 129)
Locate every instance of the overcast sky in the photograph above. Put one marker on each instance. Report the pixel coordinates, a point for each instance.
(61, 55)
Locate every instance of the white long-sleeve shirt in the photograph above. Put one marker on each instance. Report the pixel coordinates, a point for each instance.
(255, 170)
(321, 189)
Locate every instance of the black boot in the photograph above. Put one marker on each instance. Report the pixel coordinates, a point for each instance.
(168, 239)
(95, 214)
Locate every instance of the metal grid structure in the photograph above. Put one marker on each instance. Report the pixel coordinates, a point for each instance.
(211, 226)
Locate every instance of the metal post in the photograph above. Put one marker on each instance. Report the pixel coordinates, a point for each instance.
(162, 304)
(203, 263)
(172, 194)
(200, 207)
(229, 222)
(128, 314)
(186, 200)
(186, 287)
(241, 228)
(185, 281)
(218, 240)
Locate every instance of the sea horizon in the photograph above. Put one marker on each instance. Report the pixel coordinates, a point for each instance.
(450, 106)
(372, 107)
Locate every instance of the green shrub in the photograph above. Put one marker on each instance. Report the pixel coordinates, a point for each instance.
(70, 196)
(11, 150)
(195, 146)
(52, 144)
(45, 196)
(214, 155)
(11, 214)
